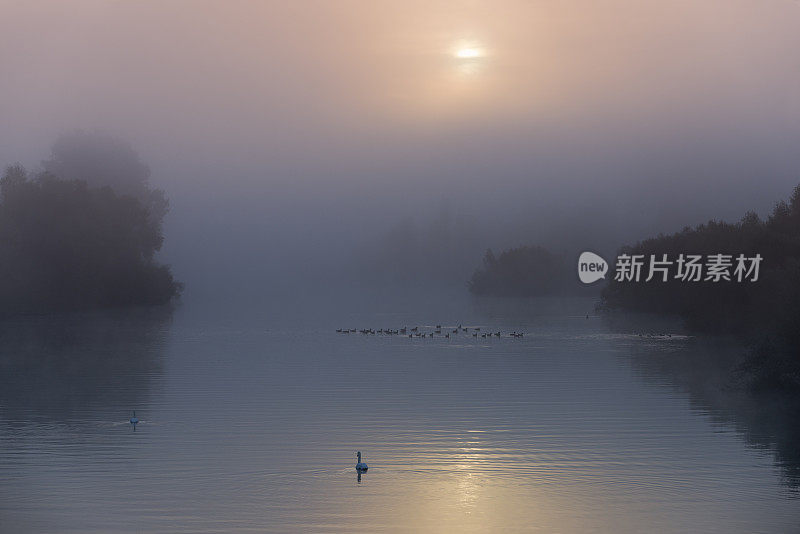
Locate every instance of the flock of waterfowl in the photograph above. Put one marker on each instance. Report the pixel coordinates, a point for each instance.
(439, 330)
(448, 331)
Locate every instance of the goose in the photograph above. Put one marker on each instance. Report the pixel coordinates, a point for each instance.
(360, 466)
(134, 419)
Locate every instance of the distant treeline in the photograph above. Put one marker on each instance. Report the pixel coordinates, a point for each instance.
(437, 249)
(522, 272)
(83, 232)
(766, 312)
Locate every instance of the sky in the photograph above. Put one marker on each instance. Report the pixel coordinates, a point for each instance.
(287, 132)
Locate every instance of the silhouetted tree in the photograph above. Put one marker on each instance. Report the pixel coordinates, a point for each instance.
(66, 245)
(520, 272)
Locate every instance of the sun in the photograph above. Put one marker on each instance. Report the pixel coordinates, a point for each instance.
(469, 57)
(468, 53)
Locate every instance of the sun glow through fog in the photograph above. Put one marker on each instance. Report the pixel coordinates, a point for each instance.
(468, 53)
(469, 57)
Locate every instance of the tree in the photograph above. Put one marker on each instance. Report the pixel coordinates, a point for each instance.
(66, 245)
(520, 272)
(102, 160)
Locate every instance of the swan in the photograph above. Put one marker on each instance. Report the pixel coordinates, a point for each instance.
(134, 420)
(360, 466)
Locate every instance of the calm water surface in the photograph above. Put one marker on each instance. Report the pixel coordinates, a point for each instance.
(251, 416)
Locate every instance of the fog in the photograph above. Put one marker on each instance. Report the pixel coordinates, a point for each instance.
(296, 141)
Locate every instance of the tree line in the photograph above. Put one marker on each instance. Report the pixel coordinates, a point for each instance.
(526, 271)
(764, 313)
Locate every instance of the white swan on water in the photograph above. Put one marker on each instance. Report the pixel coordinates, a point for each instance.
(134, 420)
(360, 466)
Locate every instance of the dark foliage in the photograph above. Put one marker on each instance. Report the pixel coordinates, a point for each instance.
(102, 160)
(520, 272)
(66, 245)
(766, 313)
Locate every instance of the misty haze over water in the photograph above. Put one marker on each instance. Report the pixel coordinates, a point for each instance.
(250, 419)
(346, 165)
(292, 140)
